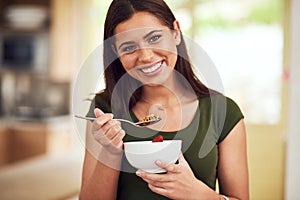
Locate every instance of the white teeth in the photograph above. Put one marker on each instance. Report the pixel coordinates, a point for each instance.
(151, 69)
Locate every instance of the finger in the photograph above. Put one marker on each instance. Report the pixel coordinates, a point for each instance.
(98, 112)
(162, 184)
(117, 141)
(102, 120)
(101, 138)
(182, 160)
(113, 135)
(110, 133)
(116, 145)
(173, 168)
(149, 177)
(111, 128)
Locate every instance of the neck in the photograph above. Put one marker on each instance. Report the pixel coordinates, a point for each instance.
(163, 96)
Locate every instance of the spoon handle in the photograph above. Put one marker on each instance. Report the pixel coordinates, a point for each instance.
(92, 119)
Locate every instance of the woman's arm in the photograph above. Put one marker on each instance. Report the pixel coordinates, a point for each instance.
(233, 167)
(98, 180)
(102, 159)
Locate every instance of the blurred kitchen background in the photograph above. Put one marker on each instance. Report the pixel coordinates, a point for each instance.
(43, 44)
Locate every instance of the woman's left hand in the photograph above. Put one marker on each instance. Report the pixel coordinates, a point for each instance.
(178, 183)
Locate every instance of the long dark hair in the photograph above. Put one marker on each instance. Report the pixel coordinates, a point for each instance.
(120, 11)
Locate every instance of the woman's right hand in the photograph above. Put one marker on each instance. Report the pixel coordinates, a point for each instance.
(108, 132)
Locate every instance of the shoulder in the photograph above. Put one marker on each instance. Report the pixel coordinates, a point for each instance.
(220, 103)
(225, 113)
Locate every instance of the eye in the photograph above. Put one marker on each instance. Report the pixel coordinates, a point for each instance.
(154, 38)
(128, 49)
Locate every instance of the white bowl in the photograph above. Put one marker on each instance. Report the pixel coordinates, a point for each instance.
(143, 154)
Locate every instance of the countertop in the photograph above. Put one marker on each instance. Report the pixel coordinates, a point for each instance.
(43, 177)
(6, 122)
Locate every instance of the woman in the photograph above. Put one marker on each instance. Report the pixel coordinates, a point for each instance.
(148, 71)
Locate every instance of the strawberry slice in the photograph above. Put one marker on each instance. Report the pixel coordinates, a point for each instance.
(158, 138)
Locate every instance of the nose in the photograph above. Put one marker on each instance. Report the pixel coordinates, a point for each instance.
(145, 54)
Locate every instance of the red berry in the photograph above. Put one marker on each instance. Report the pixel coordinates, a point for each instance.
(158, 138)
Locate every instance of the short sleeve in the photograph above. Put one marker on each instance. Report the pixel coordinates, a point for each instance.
(100, 101)
(232, 117)
(91, 109)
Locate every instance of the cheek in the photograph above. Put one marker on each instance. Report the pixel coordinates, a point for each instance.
(169, 45)
(170, 51)
(127, 62)
(171, 58)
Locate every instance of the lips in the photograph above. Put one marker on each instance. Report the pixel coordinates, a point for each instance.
(151, 69)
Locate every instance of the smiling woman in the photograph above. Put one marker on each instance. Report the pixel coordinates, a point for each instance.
(147, 66)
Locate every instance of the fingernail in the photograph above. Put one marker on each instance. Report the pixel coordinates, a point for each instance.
(158, 162)
(98, 112)
(138, 173)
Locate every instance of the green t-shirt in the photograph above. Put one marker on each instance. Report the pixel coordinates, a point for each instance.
(214, 119)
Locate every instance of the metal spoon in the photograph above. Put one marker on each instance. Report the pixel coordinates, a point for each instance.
(146, 121)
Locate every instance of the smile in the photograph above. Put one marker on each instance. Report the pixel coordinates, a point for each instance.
(151, 69)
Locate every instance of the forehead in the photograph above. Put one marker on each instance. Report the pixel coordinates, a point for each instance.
(140, 21)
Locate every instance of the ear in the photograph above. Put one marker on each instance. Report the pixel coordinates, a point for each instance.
(177, 33)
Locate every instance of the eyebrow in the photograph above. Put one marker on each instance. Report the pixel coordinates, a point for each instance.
(147, 35)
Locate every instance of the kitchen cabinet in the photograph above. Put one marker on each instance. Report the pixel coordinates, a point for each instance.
(26, 141)
(22, 140)
(3, 146)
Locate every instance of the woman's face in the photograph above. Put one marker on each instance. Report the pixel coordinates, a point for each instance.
(147, 48)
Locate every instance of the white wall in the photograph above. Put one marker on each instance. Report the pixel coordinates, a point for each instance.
(293, 136)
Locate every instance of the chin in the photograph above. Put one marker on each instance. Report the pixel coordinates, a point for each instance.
(156, 82)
